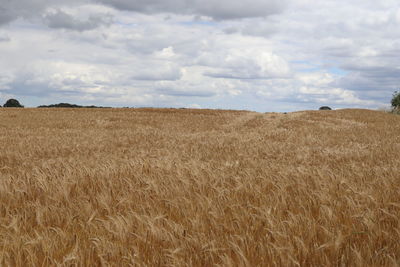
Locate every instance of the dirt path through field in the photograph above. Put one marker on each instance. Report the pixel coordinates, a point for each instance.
(241, 120)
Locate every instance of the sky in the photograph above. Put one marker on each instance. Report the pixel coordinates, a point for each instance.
(260, 55)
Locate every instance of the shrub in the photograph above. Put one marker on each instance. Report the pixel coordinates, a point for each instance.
(396, 101)
(13, 103)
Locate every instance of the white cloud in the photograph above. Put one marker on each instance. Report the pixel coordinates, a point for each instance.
(258, 55)
(247, 63)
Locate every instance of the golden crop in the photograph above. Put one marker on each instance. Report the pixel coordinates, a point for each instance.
(164, 187)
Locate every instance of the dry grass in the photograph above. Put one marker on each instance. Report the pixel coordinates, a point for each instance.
(199, 188)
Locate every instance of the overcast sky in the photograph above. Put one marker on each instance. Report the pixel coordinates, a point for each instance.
(262, 55)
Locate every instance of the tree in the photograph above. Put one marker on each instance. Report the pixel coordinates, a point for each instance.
(12, 103)
(396, 101)
(325, 108)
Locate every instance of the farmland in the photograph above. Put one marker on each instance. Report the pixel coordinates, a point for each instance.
(173, 187)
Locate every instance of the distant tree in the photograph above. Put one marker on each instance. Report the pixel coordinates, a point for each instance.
(325, 108)
(13, 103)
(396, 101)
(61, 105)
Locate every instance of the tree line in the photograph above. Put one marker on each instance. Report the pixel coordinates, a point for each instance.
(14, 103)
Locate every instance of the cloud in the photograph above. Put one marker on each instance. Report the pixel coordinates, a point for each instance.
(52, 11)
(160, 71)
(185, 93)
(259, 55)
(59, 19)
(12, 10)
(219, 10)
(4, 38)
(249, 64)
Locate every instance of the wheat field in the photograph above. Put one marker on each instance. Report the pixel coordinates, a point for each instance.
(170, 187)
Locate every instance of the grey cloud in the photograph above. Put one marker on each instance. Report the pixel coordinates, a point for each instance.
(4, 82)
(185, 93)
(13, 9)
(6, 15)
(239, 75)
(33, 85)
(158, 74)
(264, 28)
(378, 72)
(62, 20)
(4, 39)
(371, 80)
(23, 85)
(220, 10)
